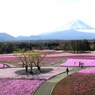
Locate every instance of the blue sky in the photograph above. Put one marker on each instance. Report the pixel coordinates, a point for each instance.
(32, 17)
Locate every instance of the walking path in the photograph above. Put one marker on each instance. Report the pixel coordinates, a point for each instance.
(47, 87)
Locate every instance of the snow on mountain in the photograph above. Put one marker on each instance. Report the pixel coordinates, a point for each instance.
(76, 29)
(76, 25)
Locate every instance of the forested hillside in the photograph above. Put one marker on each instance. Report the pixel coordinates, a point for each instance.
(70, 45)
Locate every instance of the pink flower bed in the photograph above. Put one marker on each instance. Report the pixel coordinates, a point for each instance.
(82, 84)
(75, 62)
(3, 65)
(19, 87)
(52, 58)
(81, 56)
(88, 71)
(70, 55)
(8, 57)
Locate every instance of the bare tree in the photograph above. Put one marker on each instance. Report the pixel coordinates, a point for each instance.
(36, 58)
(21, 55)
(30, 58)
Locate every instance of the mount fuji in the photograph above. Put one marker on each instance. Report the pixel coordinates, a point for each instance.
(74, 30)
(77, 25)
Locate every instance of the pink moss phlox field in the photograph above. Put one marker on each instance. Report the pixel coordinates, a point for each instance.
(71, 55)
(3, 65)
(75, 62)
(8, 57)
(82, 84)
(88, 71)
(19, 87)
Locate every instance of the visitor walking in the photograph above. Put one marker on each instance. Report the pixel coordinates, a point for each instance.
(82, 64)
(79, 64)
(67, 70)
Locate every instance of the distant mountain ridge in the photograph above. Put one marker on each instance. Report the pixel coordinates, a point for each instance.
(6, 37)
(28, 37)
(71, 31)
(70, 34)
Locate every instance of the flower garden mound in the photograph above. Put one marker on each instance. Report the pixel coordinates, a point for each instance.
(88, 71)
(80, 83)
(7, 57)
(75, 62)
(62, 54)
(19, 87)
(3, 65)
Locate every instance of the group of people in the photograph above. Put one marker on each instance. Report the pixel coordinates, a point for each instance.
(81, 64)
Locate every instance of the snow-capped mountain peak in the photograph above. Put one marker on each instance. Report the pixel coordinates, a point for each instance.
(76, 25)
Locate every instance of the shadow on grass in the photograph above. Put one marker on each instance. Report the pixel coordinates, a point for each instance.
(35, 71)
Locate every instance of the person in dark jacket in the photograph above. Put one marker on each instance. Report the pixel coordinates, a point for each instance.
(67, 70)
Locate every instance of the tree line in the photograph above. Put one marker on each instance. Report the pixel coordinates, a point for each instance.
(66, 45)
